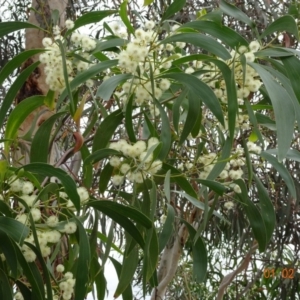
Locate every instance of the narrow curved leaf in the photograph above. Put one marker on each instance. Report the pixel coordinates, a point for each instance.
(219, 31)
(127, 294)
(202, 41)
(13, 91)
(67, 181)
(217, 187)
(15, 62)
(128, 120)
(92, 17)
(292, 66)
(8, 27)
(266, 207)
(283, 109)
(199, 204)
(168, 228)
(18, 116)
(129, 212)
(106, 129)
(179, 179)
(192, 116)
(82, 272)
(233, 11)
(124, 16)
(130, 263)
(99, 155)
(174, 7)
(108, 86)
(273, 52)
(43, 265)
(5, 288)
(105, 176)
(8, 249)
(199, 88)
(16, 230)
(284, 23)
(165, 135)
(254, 216)
(281, 169)
(85, 75)
(200, 260)
(39, 150)
(115, 42)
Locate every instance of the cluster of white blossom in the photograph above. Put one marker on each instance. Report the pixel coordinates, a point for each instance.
(229, 205)
(138, 58)
(66, 286)
(49, 235)
(139, 162)
(53, 60)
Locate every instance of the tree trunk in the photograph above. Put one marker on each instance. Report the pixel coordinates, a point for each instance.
(40, 16)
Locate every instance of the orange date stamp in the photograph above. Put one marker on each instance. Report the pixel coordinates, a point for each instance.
(286, 273)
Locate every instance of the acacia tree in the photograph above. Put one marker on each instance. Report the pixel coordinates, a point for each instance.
(165, 117)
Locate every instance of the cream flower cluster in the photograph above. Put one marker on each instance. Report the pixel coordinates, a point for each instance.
(66, 286)
(53, 60)
(49, 235)
(139, 162)
(232, 170)
(138, 59)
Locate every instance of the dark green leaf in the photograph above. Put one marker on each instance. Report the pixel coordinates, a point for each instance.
(192, 116)
(165, 135)
(108, 86)
(106, 129)
(199, 255)
(254, 216)
(219, 31)
(39, 150)
(281, 169)
(110, 44)
(13, 91)
(202, 41)
(16, 62)
(5, 288)
(236, 13)
(127, 294)
(267, 208)
(99, 155)
(105, 177)
(172, 9)
(124, 16)
(16, 230)
(168, 227)
(82, 273)
(283, 109)
(128, 120)
(85, 75)
(130, 263)
(7, 248)
(273, 52)
(284, 23)
(8, 27)
(68, 183)
(199, 88)
(92, 17)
